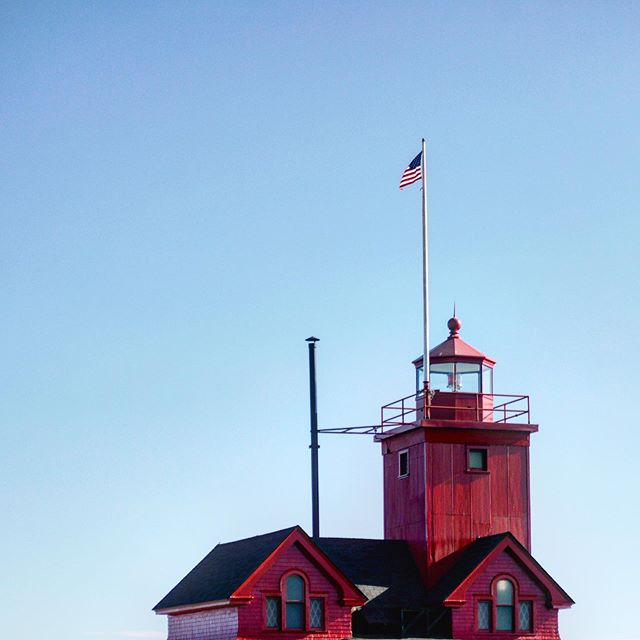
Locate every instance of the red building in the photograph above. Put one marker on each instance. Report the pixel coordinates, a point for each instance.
(456, 558)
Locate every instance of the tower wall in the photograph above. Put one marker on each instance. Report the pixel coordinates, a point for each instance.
(441, 505)
(467, 505)
(405, 506)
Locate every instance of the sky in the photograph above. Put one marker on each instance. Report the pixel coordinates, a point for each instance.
(189, 190)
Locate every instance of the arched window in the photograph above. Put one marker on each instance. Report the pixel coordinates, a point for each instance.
(294, 602)
(505, 610)
(294, 607)
(504, 598)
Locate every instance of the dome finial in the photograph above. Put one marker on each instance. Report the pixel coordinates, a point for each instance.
(454, 324)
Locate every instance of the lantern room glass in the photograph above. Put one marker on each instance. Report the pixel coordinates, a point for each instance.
(487, 379)
(466, 377)
(456, 376)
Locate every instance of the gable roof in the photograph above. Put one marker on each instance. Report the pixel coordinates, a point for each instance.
(223, 570)
(230, 571)
(381, 576)
(463, 567)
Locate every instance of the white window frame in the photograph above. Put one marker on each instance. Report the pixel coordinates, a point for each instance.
(400, 454)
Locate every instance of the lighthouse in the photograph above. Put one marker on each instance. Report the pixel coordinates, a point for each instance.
(456, 467)
(456, 558)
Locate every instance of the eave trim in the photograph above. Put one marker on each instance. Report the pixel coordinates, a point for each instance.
(189, 608)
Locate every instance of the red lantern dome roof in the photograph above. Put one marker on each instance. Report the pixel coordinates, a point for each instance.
(454, 348)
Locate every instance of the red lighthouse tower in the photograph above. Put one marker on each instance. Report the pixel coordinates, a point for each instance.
(460, 469)
(455, 561)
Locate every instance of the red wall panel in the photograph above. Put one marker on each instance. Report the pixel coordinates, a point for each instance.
(465, 505)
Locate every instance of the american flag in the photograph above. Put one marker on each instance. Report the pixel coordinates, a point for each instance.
(413, 172)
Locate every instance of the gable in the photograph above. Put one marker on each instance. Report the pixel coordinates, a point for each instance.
(299, 552)
(231, 572)
(509, 557)
(505, 564)
(293, 559)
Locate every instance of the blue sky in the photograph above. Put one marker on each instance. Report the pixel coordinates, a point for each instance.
(189, 190)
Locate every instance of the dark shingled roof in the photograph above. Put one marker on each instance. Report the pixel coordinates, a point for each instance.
(464, 562)
(384, 570)
(223, 570)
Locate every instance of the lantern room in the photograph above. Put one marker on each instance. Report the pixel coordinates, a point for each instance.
(460, 389)
(456, 366)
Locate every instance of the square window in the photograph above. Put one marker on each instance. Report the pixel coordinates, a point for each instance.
(403, 463)
(525, 617)
(272, 613)
(477, 460)
(484, 615)
(316, 613)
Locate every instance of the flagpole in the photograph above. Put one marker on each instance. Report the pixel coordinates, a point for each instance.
(425, 280)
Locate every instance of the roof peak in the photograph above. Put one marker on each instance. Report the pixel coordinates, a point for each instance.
(455, 348)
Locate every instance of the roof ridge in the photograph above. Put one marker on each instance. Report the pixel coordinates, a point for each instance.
(286, 530)
(385, 540)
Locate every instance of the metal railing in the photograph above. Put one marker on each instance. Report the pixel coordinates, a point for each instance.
(496, 408)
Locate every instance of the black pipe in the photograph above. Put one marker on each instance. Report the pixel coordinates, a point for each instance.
(315, 493)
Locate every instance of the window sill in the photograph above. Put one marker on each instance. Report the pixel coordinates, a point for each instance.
(275, 632)
(515, 634)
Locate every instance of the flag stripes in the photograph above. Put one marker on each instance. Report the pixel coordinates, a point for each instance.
(413, 172)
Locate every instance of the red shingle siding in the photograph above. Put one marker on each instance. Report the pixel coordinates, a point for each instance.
(545, 620)
(337, 616)
(215, 624)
